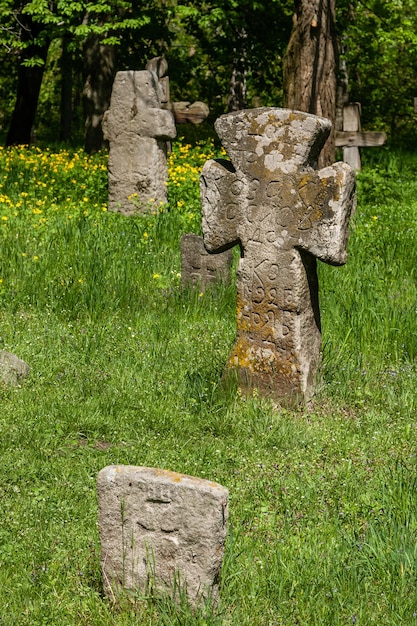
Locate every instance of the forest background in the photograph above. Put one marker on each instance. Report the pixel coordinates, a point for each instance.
(228, 54)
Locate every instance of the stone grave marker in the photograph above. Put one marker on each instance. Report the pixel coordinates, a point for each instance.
(283, 213)
(12, 369)
(199, 268)
(137, 128)
(352, 138)
(158, 528)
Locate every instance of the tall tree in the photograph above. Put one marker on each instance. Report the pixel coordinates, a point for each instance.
(66, 66)
(41, 21)
(32, 59)
(311, 64)
(231, 51)
(98, 75)
(381, 54)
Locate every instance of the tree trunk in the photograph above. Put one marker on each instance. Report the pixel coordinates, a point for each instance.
(29, 83)
(342, 93)
(99, 72)
(311, 65)
(66, 91)
(237, 84)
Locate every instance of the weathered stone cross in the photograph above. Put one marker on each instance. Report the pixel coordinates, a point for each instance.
(137, 128)
(284, 214)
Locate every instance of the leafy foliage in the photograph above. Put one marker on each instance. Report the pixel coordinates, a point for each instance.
(207, 42)
(381, 53)
(252, 34)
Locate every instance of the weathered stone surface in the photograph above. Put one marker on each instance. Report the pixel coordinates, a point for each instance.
(12, 369)
(192, 113)
(283, 213)
(156, 526)
(201, 269)
(137, 128)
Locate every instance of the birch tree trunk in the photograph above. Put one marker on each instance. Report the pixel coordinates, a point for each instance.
(311, 65)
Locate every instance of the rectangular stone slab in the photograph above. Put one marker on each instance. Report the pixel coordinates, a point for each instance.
(200, 269)
(157, 527)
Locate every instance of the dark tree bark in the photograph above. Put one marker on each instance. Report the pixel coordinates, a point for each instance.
(99, 72)
(66, 91)
(311, 65)
(29, 83)
(237, 84)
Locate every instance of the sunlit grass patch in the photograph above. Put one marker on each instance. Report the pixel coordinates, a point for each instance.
(127, 368)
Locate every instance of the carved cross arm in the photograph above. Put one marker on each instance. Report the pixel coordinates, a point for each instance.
(220, 206)
(329, 200)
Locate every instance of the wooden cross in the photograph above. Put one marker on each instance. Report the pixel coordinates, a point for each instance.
(184, 112)
(352, 138)
(283, 214)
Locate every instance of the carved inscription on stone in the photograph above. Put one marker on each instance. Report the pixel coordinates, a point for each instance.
(284, 214)
(199, 268)
(159, 528)
(137, 128)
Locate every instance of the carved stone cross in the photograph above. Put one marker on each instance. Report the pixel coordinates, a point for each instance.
(137, 128)
(284, 214)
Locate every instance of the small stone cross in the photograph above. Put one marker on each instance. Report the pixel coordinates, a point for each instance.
(283, 214)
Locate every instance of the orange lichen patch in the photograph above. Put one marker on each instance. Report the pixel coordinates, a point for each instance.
(279, 379)
(242, 320)
(330, 190)
(174, 476)
(261, 361)
(177, 477)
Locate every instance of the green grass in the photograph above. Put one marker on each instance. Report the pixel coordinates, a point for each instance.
(126, 368)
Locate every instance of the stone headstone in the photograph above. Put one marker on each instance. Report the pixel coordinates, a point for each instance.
(199, 268)
(137, 128)
(158, 528)
(284, 214)
(12, 369)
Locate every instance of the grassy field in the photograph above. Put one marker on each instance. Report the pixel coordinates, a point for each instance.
(126, 368)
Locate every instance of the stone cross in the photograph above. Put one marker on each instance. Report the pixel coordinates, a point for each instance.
(161, 531)
(199, 268)
(137, 128)
(283, 213)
